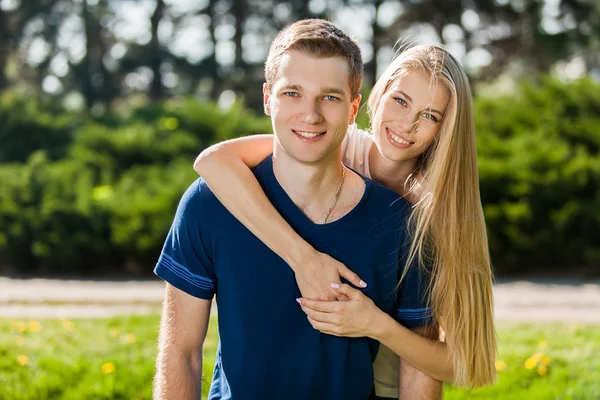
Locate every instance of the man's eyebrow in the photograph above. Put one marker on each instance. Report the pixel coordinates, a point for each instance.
(297, 88)
(332, 89)
(433, 110)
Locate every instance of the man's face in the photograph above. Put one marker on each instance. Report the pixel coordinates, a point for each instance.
(310, 105)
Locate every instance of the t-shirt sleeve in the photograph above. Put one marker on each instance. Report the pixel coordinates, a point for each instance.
(413, 308)
(185, 261)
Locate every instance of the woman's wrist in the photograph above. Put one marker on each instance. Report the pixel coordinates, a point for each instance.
(297, 254)
(380, 325)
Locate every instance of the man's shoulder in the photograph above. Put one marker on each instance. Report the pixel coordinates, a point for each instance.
(384, 196)
(198, 198)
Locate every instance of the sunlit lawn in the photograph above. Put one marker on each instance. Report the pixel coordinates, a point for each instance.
(114, 359)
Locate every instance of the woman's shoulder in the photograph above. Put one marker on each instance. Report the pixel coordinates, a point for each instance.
(355, 149)
(357, 134)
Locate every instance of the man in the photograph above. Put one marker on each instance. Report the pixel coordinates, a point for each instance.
(268, 348)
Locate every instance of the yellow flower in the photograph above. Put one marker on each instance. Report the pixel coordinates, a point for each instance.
(108, 368)
(113, 332)
(530, 363)
(130, 338)
(545, 361)
(19, 326)
(500, 365)
(542, 370)
(19, 340)
(68, 325)
(22, 360)
(34, 326)
(543, 344)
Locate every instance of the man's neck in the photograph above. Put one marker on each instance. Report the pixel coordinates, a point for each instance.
(392, 174)
(312, 187)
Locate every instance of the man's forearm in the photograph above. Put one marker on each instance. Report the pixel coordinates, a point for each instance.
(415, 385)
(427, 354)
(178, 376)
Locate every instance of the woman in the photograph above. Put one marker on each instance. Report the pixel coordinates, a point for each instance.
(424, 149)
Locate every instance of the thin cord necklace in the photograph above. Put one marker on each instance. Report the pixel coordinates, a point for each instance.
(337, 195)
(337, 192)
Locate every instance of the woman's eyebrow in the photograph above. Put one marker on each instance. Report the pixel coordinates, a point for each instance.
(403, 94)
(411, 100)
(433, 110)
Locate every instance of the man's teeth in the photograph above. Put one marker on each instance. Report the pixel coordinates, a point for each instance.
(308, 135)
(398, 139)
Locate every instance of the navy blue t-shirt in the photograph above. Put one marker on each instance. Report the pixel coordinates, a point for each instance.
(268, 349)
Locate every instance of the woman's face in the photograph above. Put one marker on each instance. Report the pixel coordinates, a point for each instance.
(409, 116)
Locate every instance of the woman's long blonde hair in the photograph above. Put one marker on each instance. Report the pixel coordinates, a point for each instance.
(447, 224)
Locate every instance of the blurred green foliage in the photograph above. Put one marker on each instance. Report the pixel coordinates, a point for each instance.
(83, 194)
(99, 194)
(540, 173)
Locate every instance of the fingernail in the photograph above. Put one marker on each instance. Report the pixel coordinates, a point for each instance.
(335, 285)
(362, 283)
(298, 301)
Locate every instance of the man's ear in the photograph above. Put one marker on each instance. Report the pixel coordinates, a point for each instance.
(355, 108)
(266, 97)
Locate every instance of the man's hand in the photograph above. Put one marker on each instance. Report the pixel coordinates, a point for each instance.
(316, 272)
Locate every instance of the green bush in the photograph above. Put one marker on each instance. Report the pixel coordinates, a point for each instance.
(142, 206)
(105, 194)
(28, 124)
(540, 173)
(103, 191)
(48, 219)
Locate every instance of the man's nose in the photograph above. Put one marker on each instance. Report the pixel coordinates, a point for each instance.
(312, 113)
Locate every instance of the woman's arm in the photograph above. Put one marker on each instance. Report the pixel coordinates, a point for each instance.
(226, 169)
(360, 317)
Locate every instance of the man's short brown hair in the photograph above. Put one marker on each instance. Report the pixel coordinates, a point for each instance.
(318, 38)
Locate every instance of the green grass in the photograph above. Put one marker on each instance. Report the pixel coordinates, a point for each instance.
(65, 359)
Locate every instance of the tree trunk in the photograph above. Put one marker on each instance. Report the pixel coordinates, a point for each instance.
(156, 87)
(239, 70)
(5, 46)
(216, 86)
(371, 68)
(238, 12)
(89, 92)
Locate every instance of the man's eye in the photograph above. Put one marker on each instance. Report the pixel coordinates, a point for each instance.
(331, 98)
(290, 94)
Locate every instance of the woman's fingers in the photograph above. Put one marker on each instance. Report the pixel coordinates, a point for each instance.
(346, 290)
(350, 276)
(320, 305)
(321, 316)
(323, 327)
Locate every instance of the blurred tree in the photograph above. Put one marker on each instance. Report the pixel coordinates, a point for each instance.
(14, 23)
(156, 87)
(96, 83)
(531, 34)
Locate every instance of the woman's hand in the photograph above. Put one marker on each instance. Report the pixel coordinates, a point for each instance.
(315, 273)
(351, 318)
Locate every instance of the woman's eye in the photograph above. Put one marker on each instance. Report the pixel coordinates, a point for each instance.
(400, 101)
(430, 116)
